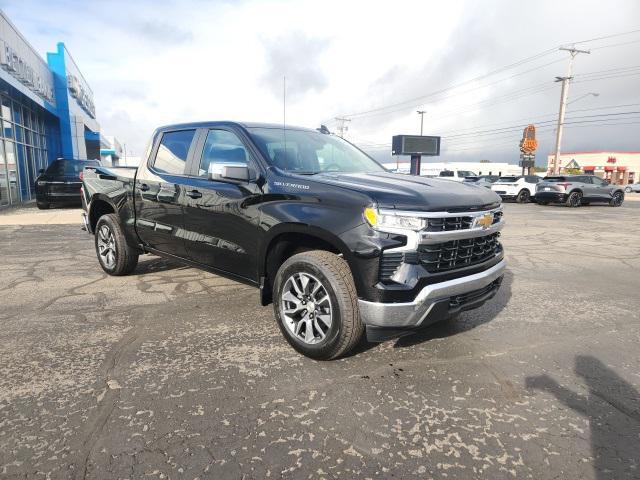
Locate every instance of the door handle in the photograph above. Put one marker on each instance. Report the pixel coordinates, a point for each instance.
(143, 187)
(194, 194)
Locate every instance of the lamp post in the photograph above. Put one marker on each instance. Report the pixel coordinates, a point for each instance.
(421, 113)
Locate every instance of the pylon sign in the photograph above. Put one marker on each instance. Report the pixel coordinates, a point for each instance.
(529, 144)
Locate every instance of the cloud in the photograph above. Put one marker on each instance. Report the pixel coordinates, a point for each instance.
(162, 33)
(296, 56)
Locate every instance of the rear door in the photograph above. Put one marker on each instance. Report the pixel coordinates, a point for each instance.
(160, 193)
(601, 189)
(221, 217)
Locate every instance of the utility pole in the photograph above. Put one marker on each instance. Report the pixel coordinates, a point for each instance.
(421, 113)
(564, 93)
(342, 127)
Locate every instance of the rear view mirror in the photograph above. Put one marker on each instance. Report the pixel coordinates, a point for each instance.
(231, 172)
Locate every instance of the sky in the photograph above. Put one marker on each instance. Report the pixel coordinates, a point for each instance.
(151, 63)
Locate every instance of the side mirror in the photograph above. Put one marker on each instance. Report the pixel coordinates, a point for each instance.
(229, 172)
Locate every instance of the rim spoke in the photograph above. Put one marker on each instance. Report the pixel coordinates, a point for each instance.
(304, 283)
(322, 300)
(324, 318)
(298, 327)
(296, 287)
(308, 331)
(290, 297)
(320, 331)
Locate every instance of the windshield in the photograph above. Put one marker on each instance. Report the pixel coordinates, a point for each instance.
(71, 168)
(307, 152)
(466, 173)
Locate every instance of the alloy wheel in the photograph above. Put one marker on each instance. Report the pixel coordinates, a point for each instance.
(107, 247)
(306, 308)
(617, 199)
(575, 199)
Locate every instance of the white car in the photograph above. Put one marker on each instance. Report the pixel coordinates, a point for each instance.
(520, 188)
(632, 187)
(450, 174)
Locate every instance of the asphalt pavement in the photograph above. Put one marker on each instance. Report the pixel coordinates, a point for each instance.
(173, 372)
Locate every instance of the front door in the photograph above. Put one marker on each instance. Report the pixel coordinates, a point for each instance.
(221, 218)
(160, 193)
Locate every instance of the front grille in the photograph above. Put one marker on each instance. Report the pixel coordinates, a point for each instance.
(459, 301)
(443, 257)
(446, 224)
(446, 256)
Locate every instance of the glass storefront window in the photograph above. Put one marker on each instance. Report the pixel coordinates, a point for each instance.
(19, 135)
(32, 170)
(7, 130)
(12, 171)
(4, 180)
(26, 118)
(17, 114)
(6, 109)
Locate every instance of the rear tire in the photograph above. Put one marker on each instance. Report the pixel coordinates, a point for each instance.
(617, 199)
(628, 189)
(115, 256)
(523, 196)
(574, 200)
(316, 305)
(43, 205)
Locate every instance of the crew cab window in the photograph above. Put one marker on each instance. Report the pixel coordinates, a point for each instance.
(221, 147)
(172, 152)
(446, 173)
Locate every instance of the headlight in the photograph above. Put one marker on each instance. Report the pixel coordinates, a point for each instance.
(380, 222)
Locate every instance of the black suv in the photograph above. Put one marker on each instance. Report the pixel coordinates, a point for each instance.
(60, 183)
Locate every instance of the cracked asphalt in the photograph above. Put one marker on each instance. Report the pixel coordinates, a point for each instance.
(176, 373)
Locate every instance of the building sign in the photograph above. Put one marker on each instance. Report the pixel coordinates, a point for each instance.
(529, 144)
(83, 96)
(611, 160)
(19, 68)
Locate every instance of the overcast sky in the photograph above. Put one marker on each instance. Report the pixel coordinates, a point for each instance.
(155, 62)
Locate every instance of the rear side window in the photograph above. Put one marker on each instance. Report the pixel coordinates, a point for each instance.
(446, 173)
(172, 152)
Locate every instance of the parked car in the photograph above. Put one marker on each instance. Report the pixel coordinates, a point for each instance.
(576, 190)
(632, 187)
(60, 183)
(339, 245)
(481, 180)
(521, 188)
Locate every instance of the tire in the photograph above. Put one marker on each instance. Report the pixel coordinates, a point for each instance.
(627, 190)
(43, 205)
(617, 199)
(117, 257)
(574, 200)
(523, 196)
(542, 202)
(319, 328)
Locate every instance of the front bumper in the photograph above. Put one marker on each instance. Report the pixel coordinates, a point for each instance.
(435, 302)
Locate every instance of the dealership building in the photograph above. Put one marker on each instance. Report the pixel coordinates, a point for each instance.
(619, 168)
(47, 112)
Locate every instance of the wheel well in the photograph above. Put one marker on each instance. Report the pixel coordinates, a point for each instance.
(575, 190)
(98, 209)
(280, 249)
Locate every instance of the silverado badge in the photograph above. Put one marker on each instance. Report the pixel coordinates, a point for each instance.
(484, 221)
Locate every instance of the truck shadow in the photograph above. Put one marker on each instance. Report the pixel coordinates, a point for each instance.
(153, 264)
(612, 407)
(465, 321)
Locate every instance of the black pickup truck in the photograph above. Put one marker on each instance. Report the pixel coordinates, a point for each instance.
(338, 244)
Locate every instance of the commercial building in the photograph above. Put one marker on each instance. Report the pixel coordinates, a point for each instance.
(47, 112)
(479, 168)
(619, 168)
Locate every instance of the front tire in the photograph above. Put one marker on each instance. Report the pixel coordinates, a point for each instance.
(316, 305)
(116, 257)
(617, 199)
(523, 196)
(43, 205)
(574, 200)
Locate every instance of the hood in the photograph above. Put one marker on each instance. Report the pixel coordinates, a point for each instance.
(411, 192)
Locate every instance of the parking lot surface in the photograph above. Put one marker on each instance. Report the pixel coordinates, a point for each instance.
(176, 373)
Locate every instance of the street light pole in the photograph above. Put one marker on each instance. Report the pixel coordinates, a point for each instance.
(563, 104)
(421, 112)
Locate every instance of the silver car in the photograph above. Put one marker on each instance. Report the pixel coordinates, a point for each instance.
(576, 190)
(632, 187)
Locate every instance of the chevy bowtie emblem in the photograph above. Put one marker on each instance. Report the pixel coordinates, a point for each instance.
(485, 221)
